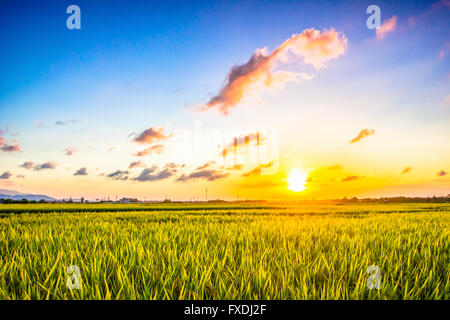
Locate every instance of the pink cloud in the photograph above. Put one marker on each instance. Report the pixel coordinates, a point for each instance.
(312, 46)
(386, 27)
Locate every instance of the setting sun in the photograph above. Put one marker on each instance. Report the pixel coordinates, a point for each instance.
(297, 180)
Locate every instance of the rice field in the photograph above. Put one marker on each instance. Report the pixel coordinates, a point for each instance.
(226, 251)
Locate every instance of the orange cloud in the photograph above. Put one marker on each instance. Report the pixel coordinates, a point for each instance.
(151, 135)
(156, 149)
(257, 171)
(386, 27)
(350, 178)
(362, 134)
(442, 173)
(313, 46)
(407, 169)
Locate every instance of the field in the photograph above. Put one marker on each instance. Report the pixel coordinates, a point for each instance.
(230, 251)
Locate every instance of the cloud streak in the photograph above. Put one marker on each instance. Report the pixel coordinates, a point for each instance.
(155, 149)
(210, 175)
(351, 178)
(363, 134)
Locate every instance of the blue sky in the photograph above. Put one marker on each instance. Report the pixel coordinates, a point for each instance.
(136, 64)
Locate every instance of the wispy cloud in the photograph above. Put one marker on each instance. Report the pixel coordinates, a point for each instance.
(312, 46)
(66, 122)
(155, 149)
(363, 134)
(257, 170)
(206, 165)
(351, 178)
(210, 175)
(136, 164)
(386, 27)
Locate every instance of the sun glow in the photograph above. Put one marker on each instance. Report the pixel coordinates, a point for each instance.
(297, 180)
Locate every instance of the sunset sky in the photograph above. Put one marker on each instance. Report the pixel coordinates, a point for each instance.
(144, 99)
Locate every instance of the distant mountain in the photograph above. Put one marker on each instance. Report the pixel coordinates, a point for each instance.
(14, 195)
(9, 192)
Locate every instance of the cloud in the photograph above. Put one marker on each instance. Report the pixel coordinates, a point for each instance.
(151, 135)
(20, 176)
(386, 27)
(206, 165)
(6, 175)
(351, 178)
(44, 166)
(210, 175)
(442, 173)
(362, 134)
(71, 150)
(81, 172)
(257, 171)
(67, 122)
(10, 148)
(136, 164)
(152, 174)
(312, 46)
(27, 164)
(118, 175)
(407, 169)
(155, 149)
(111, 149)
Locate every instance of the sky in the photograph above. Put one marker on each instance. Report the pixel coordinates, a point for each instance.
(249, 99)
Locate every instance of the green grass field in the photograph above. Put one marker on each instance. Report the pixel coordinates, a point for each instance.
(176, 251)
